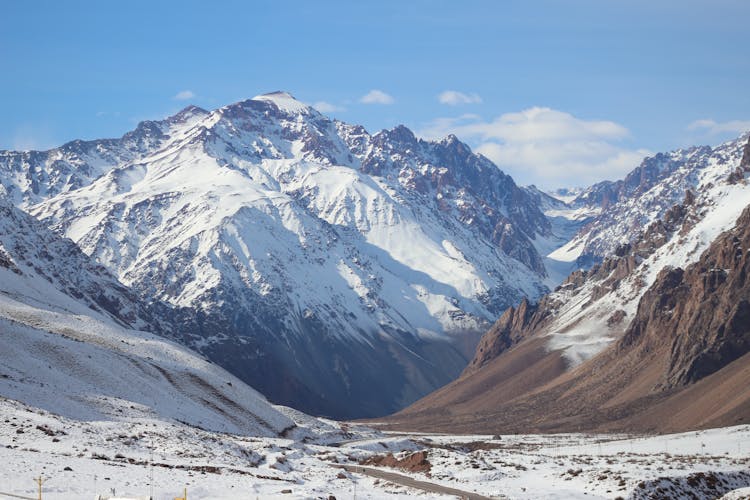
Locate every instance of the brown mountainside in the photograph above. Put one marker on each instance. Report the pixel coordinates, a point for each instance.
(682, 363)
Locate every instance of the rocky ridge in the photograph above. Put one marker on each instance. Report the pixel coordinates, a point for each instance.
(644, 196)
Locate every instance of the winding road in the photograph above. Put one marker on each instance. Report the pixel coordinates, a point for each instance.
(411, 482)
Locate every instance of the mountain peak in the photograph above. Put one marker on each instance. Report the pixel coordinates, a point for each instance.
(453, 143)
(399, 134)
(187, 113)
(284, 101)
(450, 139)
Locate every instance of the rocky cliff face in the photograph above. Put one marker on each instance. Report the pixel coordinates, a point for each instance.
(701, 315)
(513, 326)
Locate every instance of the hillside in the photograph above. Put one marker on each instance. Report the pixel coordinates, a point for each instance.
(69, 346)
(652, 339)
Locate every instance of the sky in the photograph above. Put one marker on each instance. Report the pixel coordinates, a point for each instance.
(557, 93)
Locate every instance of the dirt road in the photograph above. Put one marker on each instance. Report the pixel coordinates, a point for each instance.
(411, 482)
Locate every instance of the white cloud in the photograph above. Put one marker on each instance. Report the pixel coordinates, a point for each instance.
(712, 127)
(184, 95)
(376, 96)
(327, 107)
(454, 98)
(34, 137)
(546, 147)
(23, 142)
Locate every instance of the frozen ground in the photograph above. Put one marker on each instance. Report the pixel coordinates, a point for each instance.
(706, 464)
(82, 458)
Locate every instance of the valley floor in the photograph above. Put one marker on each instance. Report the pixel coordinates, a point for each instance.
(82, 459)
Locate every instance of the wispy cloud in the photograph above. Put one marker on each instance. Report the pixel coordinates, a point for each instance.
(712, 127)
(38, 137)
(184, 95)
(544, 146)
(454, 98)
(327, 107)
(376, 96)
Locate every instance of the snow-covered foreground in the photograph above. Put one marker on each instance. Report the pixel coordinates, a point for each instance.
(81, 459)
(706, 464)
(152, 456)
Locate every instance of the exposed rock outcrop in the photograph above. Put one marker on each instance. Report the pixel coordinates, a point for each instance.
(414, 462)
(512, 327)
(701, 314)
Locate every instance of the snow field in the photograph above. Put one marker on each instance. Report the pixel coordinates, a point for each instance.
(132, 456)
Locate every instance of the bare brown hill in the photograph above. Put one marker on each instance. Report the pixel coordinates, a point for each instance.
(682, 363)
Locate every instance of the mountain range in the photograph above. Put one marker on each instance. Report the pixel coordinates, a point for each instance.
(350, 274)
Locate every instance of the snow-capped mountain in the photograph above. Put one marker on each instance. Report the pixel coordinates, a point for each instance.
(359, 269)
(643, 196)
(32, 176)
(633, 341)
(592, 308)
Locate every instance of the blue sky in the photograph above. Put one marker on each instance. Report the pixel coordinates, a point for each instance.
(556, 92)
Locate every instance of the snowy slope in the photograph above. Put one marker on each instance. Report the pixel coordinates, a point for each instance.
(354, 263)
(87, 369)
(567, 217)
(66, 346)
(583, 307)
(39, 264)
(643, 196)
